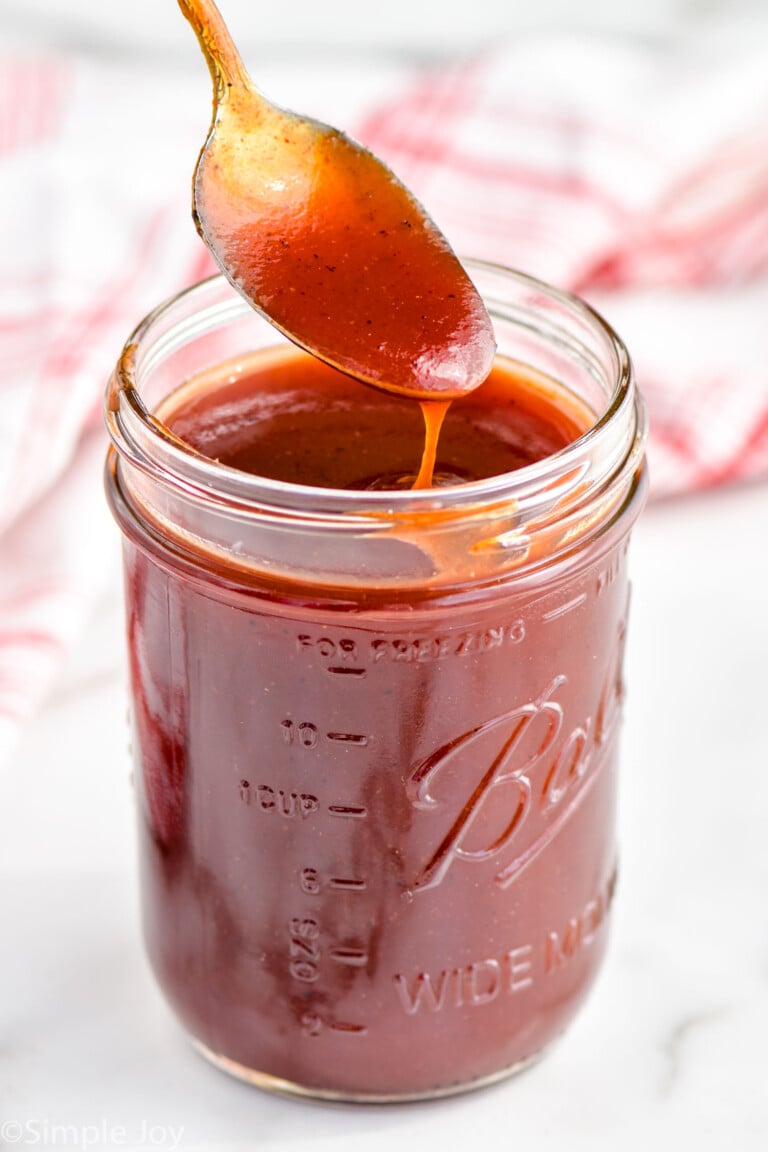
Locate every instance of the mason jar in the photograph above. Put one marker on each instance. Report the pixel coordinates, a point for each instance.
(376, 731)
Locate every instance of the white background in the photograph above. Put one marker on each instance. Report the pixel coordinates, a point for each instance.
(420, 28)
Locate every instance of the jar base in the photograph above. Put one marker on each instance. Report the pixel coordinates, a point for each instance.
(268, 1083)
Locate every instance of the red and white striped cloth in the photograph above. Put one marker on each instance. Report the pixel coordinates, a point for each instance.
(636, 174)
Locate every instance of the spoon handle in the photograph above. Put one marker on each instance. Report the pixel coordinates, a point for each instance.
(224, 61)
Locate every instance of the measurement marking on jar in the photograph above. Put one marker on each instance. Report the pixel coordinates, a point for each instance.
(347, 738)
(335, 671)
(305, 734)
(312, 1025)
(563, 609)
(349, 1029)
(278, 801)
(354, 957)
(304, 951)
(308, 735)
(311, 882)
(349, 811)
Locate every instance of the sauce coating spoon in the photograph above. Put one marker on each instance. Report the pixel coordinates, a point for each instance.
(327, 243)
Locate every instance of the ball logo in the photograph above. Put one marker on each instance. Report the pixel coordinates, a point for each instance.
(537, 773)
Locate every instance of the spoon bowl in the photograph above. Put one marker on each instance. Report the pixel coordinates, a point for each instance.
(322, 238)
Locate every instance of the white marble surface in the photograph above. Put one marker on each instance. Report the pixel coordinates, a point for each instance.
(671, 1047)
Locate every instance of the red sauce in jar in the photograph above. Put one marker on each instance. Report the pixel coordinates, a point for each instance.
(377, 829)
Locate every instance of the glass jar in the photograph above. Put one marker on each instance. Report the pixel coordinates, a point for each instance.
(375, 732)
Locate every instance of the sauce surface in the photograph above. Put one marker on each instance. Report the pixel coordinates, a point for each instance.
(289, 417)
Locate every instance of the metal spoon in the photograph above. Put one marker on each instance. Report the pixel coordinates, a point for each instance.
(327, 243)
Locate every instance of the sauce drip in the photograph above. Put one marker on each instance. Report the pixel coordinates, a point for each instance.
(284, 415)
(328, 244)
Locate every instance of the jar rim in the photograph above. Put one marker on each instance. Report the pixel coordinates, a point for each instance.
(147, 443)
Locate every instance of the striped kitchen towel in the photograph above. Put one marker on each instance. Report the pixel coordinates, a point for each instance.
(637, 176)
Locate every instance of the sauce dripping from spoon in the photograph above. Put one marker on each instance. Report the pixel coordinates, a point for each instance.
(322, 238)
